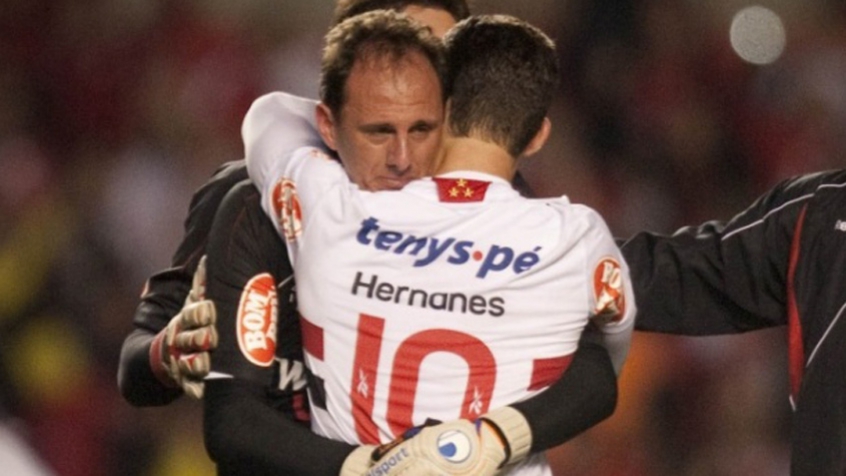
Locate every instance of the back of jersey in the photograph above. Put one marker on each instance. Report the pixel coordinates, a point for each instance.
(443, 300)
(426, 303)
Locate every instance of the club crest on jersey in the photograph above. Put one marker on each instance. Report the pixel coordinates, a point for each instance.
(256, 320)
(287, 209)
(461, 190)
(608, 291)
(428, 249)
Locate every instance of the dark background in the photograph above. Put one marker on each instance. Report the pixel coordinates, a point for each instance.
(112, 112)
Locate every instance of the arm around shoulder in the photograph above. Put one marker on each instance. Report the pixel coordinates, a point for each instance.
(584, 396)
(275, 125)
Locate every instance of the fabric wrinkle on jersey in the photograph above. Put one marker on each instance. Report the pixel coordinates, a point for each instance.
(437, 310)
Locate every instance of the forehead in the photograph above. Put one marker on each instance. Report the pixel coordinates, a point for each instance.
(383, 88)
(438, 20)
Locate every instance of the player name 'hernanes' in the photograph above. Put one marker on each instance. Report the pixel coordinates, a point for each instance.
(373, 288)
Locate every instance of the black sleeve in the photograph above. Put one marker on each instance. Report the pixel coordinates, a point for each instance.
(720, 278)
(137, 383)
(255, 395)
(585, 395)
(165, 292)
(246, 436)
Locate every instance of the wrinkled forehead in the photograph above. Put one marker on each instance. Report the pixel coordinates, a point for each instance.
(411, 74)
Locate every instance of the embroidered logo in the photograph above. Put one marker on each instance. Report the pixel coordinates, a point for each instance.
(608, 290)
(287, 209)
(461, 190)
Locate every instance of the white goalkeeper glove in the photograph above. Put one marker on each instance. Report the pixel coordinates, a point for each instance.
(358, 462)
(179, 354)
(461, 447)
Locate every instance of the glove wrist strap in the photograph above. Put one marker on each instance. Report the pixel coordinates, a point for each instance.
(515, 431)
(358, 462)
(157, 361)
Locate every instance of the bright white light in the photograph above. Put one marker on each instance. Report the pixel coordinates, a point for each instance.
(757, 35)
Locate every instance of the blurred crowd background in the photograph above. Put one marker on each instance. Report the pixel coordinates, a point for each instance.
(112, 112)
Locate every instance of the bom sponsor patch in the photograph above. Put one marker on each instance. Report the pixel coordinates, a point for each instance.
(256, 320)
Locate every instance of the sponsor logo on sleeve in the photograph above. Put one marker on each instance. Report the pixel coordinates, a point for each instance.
(287, 209)
(608, 291)
(256, 320)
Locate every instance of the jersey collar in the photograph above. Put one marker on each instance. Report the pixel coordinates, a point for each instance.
(465, 186)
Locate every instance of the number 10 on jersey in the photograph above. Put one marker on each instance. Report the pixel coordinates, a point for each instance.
(405, 372)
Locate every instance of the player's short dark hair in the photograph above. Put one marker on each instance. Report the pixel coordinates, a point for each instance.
(380, 34)
(349, 8)
(502, 74)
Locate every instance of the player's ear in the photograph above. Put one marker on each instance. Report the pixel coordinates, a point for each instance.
(326, 125)
(539, 139)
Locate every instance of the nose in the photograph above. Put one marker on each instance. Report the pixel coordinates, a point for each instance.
(399, 155)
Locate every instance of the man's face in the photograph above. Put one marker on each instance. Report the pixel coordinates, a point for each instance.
(389, 130)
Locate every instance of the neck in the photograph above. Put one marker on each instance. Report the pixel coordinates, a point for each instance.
(465, 153)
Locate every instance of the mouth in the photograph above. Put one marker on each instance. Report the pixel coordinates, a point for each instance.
(392, 183)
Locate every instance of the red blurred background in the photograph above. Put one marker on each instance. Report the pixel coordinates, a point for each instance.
(112, 112)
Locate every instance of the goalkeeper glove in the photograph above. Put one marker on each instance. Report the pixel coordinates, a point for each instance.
(461, 447)
(179, 354)
(358, 462)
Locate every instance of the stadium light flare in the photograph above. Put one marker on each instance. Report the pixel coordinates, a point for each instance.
(757, 35)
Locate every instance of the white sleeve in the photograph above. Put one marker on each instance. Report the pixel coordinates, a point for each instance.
(275, 126)
(289, 164)
(610, 293)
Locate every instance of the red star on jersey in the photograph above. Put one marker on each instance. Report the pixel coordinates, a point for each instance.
(461, 190)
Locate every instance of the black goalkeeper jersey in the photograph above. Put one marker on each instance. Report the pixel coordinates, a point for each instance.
(255, 404)
(781, 262)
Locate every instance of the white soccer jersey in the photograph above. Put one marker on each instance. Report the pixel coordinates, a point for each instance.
(443, 300)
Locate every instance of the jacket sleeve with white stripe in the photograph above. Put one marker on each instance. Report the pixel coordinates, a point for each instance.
(721, 278)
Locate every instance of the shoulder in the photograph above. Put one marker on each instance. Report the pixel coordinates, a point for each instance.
(817, 180)
(780, 206)
(275, 126)
(826, 186)
(553, 223)
(278, 107)
(574, 215)
(804, 187)
(227, 175)
(282, 101)
(209, 195)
